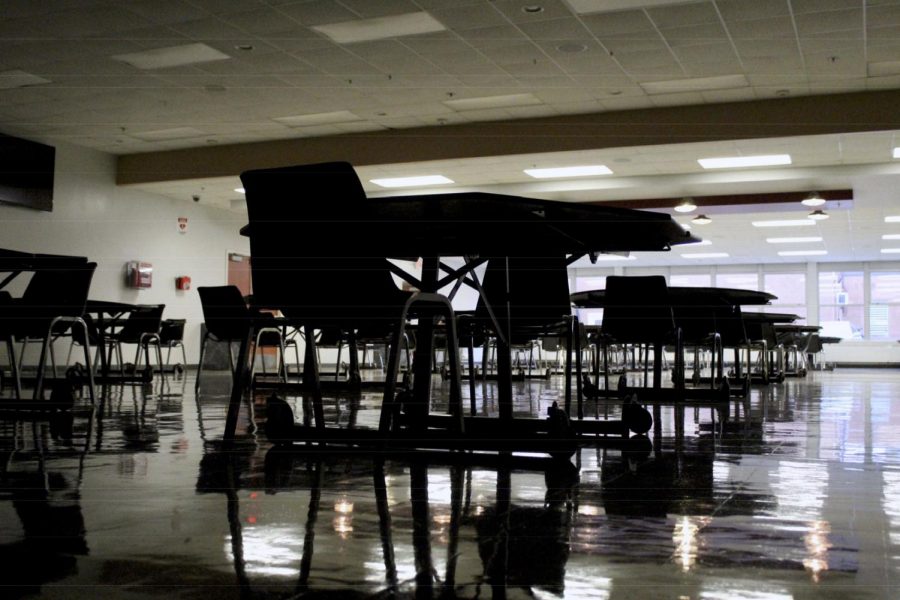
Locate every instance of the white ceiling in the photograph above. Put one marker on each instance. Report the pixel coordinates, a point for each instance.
(664, 54)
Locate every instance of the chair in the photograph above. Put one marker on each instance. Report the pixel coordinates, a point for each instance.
(141, 328)
(536, 290)
(228, 319)
(311, 243)
(171, 335)
(51, 304)
(637, 311)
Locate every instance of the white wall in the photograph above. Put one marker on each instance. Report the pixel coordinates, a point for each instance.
(112, 225)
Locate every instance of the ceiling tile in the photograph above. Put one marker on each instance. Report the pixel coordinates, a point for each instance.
(680, 15)
(786, 49)
(225, 7)
(513, 10)
(847, 22)
(735, 95)
(773, 65)
(650, 63)
(777, 28)
(474, 16)
(494, 36)
(164, 12)
(618, 23)
(623, 44)
(319, 12)
(680, 99)
(739, 10)
(847, 64)
(705, 33)
(271, 24)
(811, 6)
(383, 8)
(555, 29)
(883, 15)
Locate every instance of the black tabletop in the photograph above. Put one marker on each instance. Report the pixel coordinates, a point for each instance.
(770, 317)
(478, 223)
(686, 296)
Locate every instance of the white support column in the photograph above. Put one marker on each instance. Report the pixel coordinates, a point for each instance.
(812, 293)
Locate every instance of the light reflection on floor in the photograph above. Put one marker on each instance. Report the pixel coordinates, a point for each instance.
(798, 496)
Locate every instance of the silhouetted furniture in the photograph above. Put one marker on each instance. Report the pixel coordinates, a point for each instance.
(171, 335)
(761, 336)
(140, 328)
(536, 290)
(311, 241)
(638, 311)
(52, 303)
(295, 219)
(227, 320)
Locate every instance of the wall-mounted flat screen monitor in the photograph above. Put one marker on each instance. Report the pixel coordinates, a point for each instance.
(26, 173)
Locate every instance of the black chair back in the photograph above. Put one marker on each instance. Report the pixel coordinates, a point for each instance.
(171, 330)
(226, 315)
(538, 292)
(637, 310)
(142, 320)
(51, 293)
(314, 249)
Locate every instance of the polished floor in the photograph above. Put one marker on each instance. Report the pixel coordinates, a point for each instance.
(797, 496)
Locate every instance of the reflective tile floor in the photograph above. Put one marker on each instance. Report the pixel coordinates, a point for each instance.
(797, 496)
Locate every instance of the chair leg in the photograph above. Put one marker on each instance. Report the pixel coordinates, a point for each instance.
(69, 353)
(39, 382)
(472, 375)
(14, 367)
(159, 362)
(200, 362)
(88, 365)
(311, 376)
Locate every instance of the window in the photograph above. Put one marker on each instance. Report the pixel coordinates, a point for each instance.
(738, 281)
(692, 280)
(791, 291)
(884, 310)
(842, 304)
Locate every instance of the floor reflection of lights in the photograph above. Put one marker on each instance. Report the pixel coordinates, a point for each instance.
(272, 550)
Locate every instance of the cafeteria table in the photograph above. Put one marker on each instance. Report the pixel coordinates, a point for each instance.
(467, 224)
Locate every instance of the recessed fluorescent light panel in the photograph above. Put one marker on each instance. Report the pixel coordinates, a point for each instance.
(696, 84)
(584, 7)
(559, 172)
(326, 118)
(240, 190)
(891, 236)
(705, 255)
(380, 28)
(897, 152)
(485, 102)
(173, 56)
(802, 253)
(421, 180)
(890, 250)
(892, 219)
(737, 162)
(784, 223)
(18, 79)
(793, 240)
(700, 243)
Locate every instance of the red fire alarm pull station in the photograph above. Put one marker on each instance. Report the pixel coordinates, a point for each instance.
(183, 283)
(138, 275)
